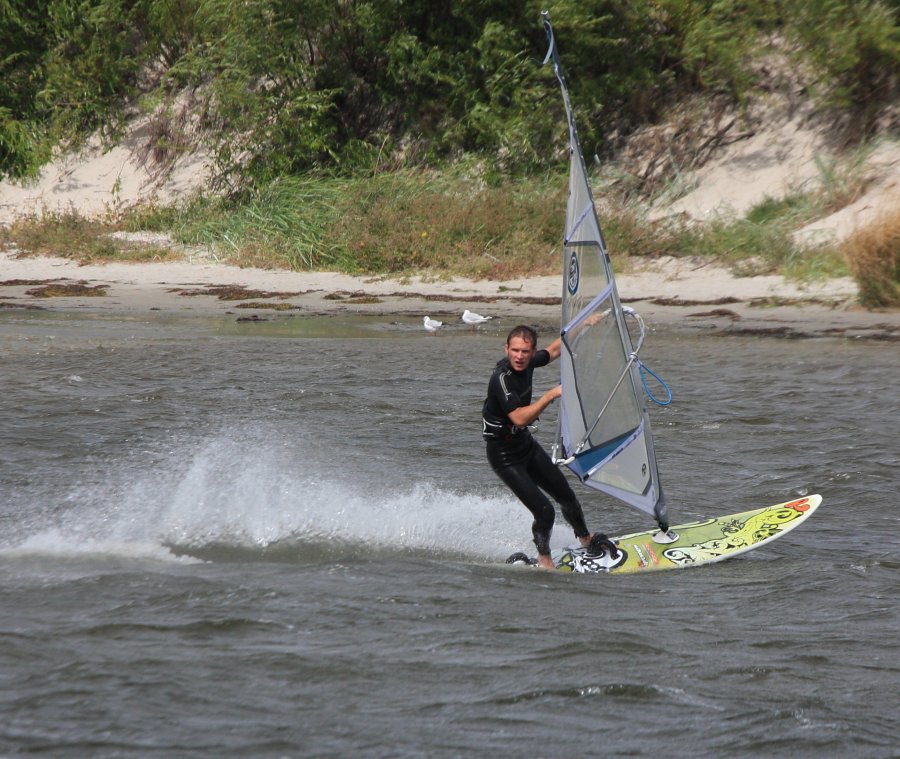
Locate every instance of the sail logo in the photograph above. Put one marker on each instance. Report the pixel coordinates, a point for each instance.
(574, 274)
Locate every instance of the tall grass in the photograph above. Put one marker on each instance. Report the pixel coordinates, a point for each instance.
(387, 223)
(285, 225)
(873, 253)
(453, 224)
(444, 224)
(763, 241)
(754, 248)
(70, 235)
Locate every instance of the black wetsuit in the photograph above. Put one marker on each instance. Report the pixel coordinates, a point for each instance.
(518, 458)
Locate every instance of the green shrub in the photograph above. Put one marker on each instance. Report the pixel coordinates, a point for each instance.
(20, 150)
(854, 48)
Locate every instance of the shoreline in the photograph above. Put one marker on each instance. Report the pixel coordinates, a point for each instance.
(673, 294)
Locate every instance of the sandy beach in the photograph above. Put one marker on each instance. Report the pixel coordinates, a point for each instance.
(678, 294)
(784, 153)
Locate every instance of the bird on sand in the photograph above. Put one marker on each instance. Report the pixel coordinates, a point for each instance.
(432, 325)
(470, 317)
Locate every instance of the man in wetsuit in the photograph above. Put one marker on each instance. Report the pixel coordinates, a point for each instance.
(513, 453)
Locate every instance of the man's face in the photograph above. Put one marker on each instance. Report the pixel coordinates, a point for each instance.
(519, 353)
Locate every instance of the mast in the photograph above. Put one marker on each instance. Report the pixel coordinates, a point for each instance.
(604, 431)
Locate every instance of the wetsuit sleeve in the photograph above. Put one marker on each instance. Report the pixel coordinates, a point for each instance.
(540, 358)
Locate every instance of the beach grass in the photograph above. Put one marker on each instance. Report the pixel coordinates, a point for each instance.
(393, 223)
(452, 224)
(88, 240)
(873, 253)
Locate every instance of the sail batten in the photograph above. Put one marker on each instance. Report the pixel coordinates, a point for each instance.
(604, 430)
(586, 311)
(578, 221)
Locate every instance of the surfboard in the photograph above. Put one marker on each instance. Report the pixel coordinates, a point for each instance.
(688, 545)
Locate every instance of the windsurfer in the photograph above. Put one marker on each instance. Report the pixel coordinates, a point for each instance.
(514, 455)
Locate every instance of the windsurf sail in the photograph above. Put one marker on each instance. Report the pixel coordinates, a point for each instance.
(604, 433)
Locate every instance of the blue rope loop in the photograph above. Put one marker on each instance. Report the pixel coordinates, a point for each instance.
(645, 370)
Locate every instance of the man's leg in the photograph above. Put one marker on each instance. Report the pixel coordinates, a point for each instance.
(550, 478)
(517, 479)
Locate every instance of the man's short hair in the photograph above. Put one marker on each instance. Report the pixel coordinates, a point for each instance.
(526, 333)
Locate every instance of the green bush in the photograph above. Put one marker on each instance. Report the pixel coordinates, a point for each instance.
(853, 46)
(20, 150)
(91, 69)
(24, 39)
(327, 85)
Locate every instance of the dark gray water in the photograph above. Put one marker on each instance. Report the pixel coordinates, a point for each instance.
(283, 540)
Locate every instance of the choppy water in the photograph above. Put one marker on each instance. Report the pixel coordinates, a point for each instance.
(250, 540)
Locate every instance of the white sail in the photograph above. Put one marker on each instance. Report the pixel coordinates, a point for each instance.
(605, 436)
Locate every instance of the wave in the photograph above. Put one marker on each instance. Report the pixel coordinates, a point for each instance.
(237, 498)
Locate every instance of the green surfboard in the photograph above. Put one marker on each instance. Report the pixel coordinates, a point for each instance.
(691, 545)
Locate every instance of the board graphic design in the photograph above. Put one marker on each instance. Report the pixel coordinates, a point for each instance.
(697, 543)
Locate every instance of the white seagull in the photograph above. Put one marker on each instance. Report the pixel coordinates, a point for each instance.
(432, 325)
(472, 318)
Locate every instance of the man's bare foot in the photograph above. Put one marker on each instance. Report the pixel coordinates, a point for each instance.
(545, 562)
(586, 540)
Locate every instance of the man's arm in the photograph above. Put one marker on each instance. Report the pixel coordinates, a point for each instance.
(525, 415)
(554, 348)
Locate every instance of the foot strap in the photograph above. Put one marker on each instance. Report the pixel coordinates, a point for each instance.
(600, 544)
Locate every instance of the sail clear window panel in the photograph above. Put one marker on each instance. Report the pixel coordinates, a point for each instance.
(594, 362)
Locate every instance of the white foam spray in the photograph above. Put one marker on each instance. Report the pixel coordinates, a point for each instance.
(247, 492)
